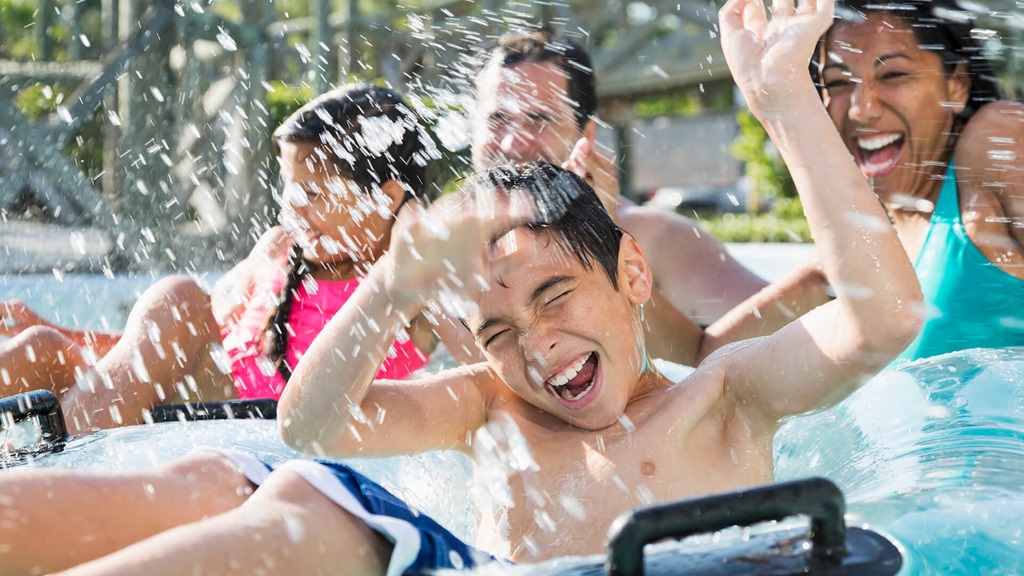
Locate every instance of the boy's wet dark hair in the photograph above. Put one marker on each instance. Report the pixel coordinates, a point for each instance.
(540, 45)
(940, 26)
(370, 136)
(566, 206)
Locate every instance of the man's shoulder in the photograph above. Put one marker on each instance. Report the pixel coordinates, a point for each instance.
(632, 214)
(658, 229)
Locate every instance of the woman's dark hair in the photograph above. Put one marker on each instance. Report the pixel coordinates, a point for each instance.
(940, 26)
(567, 206)
(371, 136)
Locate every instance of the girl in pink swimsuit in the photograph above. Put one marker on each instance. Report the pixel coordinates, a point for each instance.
(350, 160)
(333, 151)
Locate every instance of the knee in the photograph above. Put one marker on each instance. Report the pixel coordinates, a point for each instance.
(174, 300)
(43, 336)
(46, 344)
(213, 479)
(178, 291)
(205, 464)
(288, 487)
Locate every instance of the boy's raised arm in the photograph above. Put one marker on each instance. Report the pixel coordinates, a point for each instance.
(827, 353)
(446, 247)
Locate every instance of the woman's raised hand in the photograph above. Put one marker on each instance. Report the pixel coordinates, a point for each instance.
(768, 57)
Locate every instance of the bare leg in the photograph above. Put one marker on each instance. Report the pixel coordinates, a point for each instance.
(39, 358)
(55, 519)
(168, 335)
(286, 527)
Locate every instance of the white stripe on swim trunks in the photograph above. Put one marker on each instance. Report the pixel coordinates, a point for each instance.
(402, 534)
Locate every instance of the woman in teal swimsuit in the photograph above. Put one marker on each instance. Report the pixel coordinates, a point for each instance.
(912, 96)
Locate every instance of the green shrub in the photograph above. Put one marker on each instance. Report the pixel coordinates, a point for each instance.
(762, 163)
(784, 222)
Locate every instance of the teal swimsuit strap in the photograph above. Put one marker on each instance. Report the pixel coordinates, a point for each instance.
(947, 206)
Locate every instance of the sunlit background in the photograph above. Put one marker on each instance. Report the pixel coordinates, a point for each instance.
(135, 134)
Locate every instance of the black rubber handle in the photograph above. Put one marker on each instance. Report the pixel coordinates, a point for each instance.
(815, 497)
(260, 409)
(41, 405)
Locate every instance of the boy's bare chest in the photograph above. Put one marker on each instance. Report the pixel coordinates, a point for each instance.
(567, 499)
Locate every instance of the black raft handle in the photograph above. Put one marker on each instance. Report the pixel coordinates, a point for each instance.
(815, 497)
(41, 405)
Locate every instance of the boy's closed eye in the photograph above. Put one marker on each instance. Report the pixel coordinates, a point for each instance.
(559, 297)
(495, 338)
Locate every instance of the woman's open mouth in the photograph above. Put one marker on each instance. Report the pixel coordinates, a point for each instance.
(575, 384)
(878, 155)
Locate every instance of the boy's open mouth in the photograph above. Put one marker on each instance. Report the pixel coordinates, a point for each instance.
(877, 155)
(572, 383)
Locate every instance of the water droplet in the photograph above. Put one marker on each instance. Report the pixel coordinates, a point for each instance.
(1002, 155)
(627, 423)
(226, 41)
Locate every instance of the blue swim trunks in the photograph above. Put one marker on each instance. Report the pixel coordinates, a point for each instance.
(421, 544)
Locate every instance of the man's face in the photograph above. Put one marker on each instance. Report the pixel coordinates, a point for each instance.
(523, 114)
(560, 335)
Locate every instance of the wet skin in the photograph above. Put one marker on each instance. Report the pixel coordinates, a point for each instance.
(524, 114)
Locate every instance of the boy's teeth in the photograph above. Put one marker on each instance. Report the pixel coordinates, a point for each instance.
(877, 142)
(569, 373)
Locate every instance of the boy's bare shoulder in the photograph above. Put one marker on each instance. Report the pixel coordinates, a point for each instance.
(704, 400)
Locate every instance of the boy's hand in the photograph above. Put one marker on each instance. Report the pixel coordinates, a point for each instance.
(768, 58)
(598, 171)
(272, 246)
(453, 245)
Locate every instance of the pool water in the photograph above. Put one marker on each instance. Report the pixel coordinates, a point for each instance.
(931, 455)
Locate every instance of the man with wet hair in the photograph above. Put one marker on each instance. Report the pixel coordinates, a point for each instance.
(536, 99)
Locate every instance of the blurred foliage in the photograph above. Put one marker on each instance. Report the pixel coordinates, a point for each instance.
(680, 104)
(684, 104)
(283, 100)
(38, 100)
(16, 18)
(784, 222)
(762, 164)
